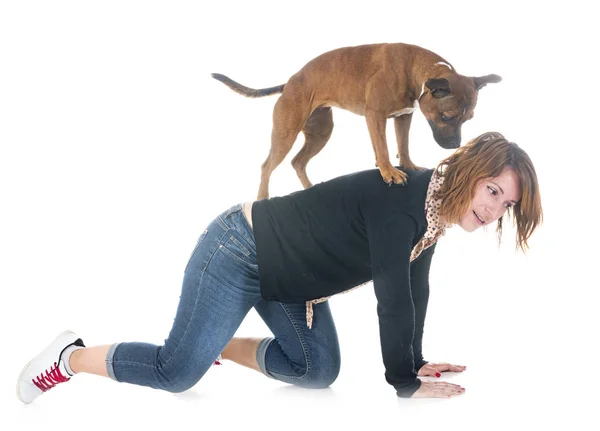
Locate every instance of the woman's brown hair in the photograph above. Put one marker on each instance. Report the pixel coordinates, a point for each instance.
(485, 157)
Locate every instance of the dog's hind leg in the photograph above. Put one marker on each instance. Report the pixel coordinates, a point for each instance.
(317, 132)
(288, 119)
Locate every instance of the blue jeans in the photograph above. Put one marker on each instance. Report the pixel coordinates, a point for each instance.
(220, 286)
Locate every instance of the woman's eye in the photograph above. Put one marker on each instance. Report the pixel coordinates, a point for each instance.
(492, 190)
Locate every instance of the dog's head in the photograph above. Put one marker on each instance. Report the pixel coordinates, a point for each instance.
(448, 102)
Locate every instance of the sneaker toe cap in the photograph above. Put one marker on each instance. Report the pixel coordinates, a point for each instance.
(27, 391)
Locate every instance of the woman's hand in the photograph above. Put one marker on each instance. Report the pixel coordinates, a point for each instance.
(437, 390)
(435, 370)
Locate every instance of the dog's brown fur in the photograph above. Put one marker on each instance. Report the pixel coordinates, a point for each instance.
(378, 81)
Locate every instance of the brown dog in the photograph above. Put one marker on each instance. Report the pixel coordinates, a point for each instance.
(378, 81)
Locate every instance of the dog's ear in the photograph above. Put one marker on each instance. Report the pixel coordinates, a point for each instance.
(482, 81)
(439, 87)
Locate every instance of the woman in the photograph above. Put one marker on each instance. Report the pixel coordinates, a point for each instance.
(286, 255)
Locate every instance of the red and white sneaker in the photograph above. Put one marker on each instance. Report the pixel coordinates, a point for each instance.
(47, 369)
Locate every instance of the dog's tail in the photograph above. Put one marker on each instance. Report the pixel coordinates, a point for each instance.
(245, 91)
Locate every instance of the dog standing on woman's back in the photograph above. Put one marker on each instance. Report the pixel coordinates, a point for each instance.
(377, 81)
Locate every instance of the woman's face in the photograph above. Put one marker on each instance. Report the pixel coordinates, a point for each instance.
(493, 196)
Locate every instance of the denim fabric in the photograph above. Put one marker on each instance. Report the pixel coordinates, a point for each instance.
(298, 355)
(220, 286)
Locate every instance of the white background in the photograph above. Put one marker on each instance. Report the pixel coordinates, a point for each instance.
(117, 149)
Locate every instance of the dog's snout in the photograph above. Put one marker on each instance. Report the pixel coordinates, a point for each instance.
(445, 138)
(453, 142)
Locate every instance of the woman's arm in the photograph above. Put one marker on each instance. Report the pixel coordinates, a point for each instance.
(390, 244)
(419, 285)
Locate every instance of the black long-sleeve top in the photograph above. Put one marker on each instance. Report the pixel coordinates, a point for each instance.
(344, 232)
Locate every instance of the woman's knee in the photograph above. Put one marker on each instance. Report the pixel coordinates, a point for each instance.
(180, 376)
(176, 383)
(322, 378)
(321, 373)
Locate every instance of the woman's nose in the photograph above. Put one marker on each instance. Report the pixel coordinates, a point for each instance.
(496, 211)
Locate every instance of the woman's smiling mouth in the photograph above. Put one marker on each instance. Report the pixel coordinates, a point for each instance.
(479, 218)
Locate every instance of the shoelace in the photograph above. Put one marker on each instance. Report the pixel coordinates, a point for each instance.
(51, 379)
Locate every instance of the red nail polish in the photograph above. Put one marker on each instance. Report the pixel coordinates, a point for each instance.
(438, 375)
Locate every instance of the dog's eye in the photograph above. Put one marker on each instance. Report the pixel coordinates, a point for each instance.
(447, 119)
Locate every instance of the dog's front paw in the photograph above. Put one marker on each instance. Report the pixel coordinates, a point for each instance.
(392, 175)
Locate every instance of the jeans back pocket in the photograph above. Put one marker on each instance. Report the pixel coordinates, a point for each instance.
(235, 247)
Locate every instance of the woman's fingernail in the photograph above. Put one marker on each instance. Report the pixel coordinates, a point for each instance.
(438, 375)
